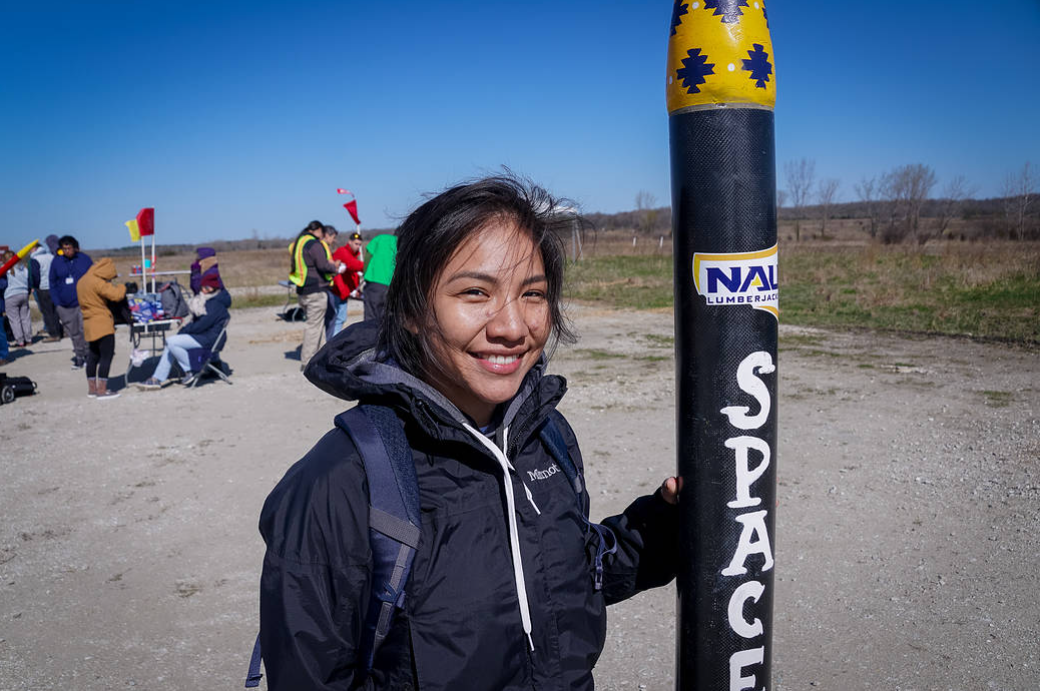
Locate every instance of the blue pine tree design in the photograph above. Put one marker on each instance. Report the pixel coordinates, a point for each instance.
(729, 9)
(678, 10)
(695, 68)
(759, 66)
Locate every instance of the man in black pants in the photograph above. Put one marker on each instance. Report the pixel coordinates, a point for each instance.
(40, 280)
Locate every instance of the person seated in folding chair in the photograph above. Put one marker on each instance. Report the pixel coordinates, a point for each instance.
(209, 311)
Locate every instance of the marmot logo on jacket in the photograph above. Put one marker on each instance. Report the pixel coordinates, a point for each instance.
(543, 474)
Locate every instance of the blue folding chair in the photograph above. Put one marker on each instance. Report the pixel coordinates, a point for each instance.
(205, 360)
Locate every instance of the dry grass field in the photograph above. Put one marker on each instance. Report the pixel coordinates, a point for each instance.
(956, 287)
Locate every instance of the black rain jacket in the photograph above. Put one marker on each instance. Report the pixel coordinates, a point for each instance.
(461, 628)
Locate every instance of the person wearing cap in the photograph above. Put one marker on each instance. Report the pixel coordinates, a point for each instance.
(209, 311)
(345, 284)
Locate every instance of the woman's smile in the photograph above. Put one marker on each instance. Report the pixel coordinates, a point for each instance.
(499, 364)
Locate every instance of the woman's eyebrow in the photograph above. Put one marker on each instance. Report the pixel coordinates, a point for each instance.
(489, 278)
(473, 275)
(534, 279)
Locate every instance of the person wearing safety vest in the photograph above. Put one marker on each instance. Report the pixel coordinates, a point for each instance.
(312, 271)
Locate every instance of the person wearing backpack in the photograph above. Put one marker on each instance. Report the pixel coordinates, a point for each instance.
(501, 582)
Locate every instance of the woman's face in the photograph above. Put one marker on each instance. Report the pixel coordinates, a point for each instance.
(490, 304)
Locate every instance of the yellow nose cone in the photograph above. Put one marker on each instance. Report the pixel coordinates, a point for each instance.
(720, 55)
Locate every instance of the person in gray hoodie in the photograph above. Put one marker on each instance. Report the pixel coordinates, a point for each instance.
(40, 277)
(16, 297)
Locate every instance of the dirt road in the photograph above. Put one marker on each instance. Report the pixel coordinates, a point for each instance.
(908, 530)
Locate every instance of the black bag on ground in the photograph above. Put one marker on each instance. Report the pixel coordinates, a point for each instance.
(13, 387)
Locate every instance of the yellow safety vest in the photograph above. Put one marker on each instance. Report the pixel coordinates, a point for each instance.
(298, 273)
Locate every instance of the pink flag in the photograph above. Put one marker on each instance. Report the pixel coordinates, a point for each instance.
(340, 190)
(351, 208)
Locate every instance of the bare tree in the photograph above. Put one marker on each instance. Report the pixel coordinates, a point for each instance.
(870, 193)
(801, 175)
(1019, 191)
(647, 213)
(781, 199)
(909, 187)
(826, 191)
(954, 193)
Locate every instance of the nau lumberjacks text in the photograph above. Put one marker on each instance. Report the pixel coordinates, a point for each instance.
(747, 279)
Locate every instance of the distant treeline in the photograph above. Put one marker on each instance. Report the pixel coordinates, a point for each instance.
(633, 220)
(989, 213)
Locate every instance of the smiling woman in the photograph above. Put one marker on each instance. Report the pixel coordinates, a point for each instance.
(506, 578)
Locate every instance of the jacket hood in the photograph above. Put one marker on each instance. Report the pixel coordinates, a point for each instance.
(351, 367)
(103, 268)
(41, 250)
(52, 243)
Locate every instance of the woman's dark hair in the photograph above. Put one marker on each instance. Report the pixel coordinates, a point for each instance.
(313, 227)
(433, 232)
(68, 240)
(331, 230)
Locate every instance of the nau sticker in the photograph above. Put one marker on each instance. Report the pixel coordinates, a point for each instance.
(738, 278)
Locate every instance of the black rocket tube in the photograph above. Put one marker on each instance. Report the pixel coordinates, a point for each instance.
(721, 93)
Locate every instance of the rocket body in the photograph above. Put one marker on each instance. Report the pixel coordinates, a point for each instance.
(21, 254)
(720, 98)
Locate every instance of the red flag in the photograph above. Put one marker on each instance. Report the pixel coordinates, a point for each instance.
(340, 190)
(351, 208)
(146, 221)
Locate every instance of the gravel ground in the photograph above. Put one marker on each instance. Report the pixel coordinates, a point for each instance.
(908, 527)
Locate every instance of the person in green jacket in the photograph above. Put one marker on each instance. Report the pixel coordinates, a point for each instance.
(379, 269)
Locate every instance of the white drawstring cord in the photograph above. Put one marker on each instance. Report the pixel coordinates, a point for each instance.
(514, 534)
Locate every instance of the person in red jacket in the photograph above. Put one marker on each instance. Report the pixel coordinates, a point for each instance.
(345, 285)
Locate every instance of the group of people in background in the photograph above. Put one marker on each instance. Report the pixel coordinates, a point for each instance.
(326, 279)
(77, 298)
(50, 274)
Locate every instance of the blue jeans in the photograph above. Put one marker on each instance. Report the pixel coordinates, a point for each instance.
(4, 348)
(177, 347)
(339, 319)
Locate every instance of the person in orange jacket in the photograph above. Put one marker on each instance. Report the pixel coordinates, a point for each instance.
(95, 291)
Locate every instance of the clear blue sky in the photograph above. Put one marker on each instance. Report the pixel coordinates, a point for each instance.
(233, 117)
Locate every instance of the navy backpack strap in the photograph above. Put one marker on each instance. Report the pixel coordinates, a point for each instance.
(553, 439)
(393, 518)
(394, 521)
(606, 541)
